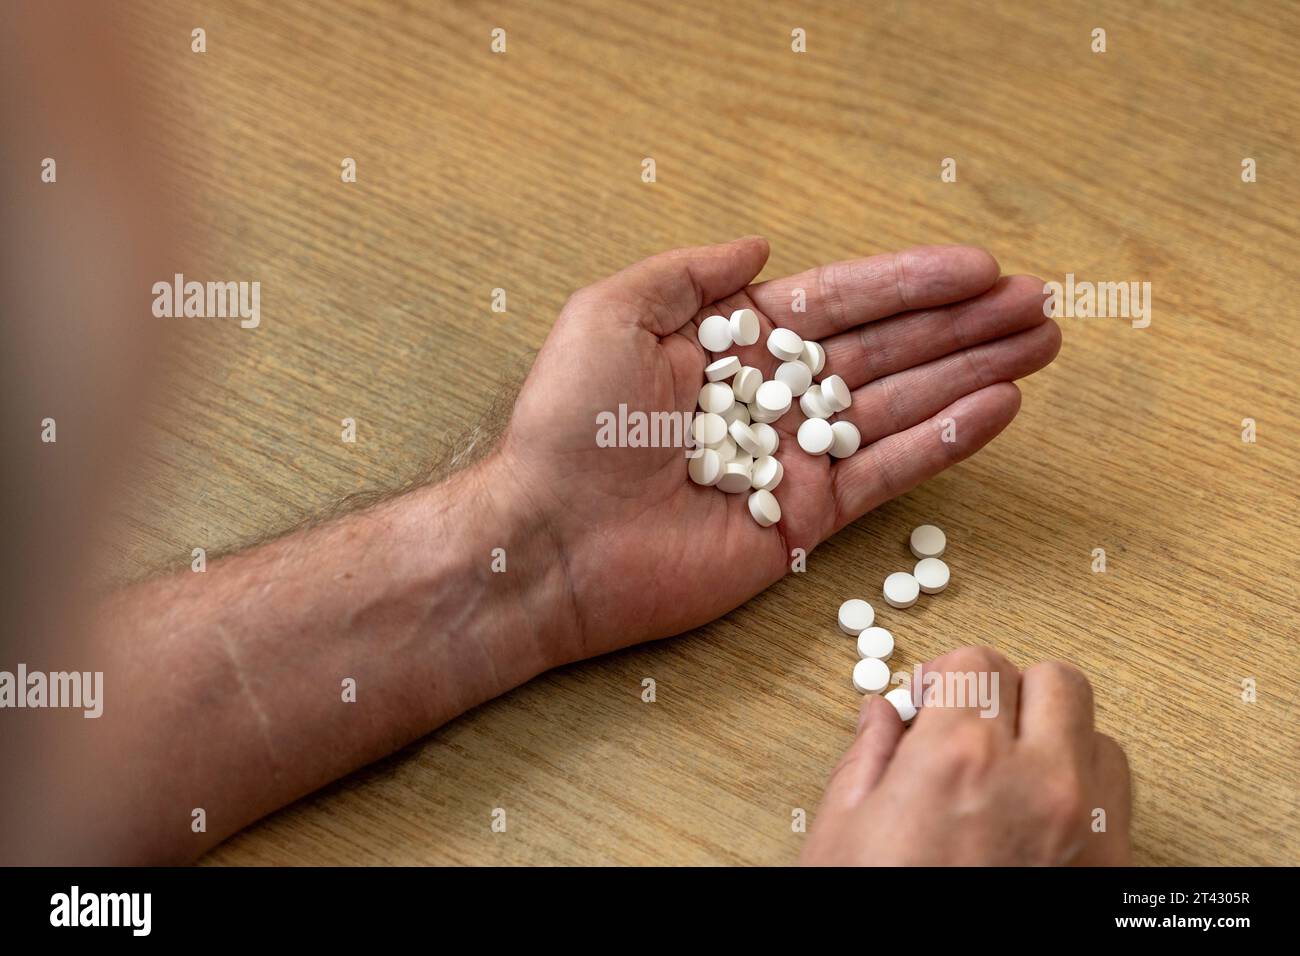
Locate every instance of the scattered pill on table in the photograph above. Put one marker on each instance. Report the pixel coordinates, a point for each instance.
(901, 698)
(764, 508)
(901, 590)
(931, 574)
(815, 436)
(744, 326)
(870, 676)
(876, 642)
(785, 345)
(856, 615)
(845, 440)
(927, 541)
(722, 368)
(714, 333)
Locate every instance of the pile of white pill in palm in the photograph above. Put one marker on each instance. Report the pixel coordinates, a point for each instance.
(875, 644)
(737, 408)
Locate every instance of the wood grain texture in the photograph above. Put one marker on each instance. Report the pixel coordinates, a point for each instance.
(521, 171)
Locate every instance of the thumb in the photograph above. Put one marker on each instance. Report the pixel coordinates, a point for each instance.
(865, 762)
(673, 286)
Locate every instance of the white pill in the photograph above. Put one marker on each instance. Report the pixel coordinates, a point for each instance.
(767, 438)
(931, 574)
(901, 589)
(876, 642)
(761, 416)
(785, 345)
(709, 429)
(856, 615)
(746, 383)
(768, 473)
(813, 405)
(735, 478)
(745, 438)
(722, 368)
(706, 467)
(846, 441)
(796, 376)
(773, 398)
(726, 449)
(715, 333)
(745, 459)
(814, 356)
(739, 412)
(928, 541)
(716, 397)
(836, 394)
(744, 326)
(815, 436)
(901, 698)
(870, 676)
(764, 508)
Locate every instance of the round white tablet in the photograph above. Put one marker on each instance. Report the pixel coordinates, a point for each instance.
(836, 394)
(744, 326)
(715, 333)
(846, 441)
(764, 508)
(716, 397)
(773, 397)
(856, 615)
(796, 376)
(767, 437)
(814, 356)
(709, 429)
(928, 541)
(901, 589)
(815, 436)
(735, 478)
(738, 412)
(761, 415)
(722, 368)
(813, 405)
(876, 642)
(744, 458)
(726, 449)
(931, 574)
(744, 438)
(901, 698)
(746, 383)
(768, 473)
(785, 345)
(870, 676)
(706, 467)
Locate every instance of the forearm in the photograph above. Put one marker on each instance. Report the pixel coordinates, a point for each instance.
(241, 688)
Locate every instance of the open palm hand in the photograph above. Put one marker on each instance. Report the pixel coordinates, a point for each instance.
(921, 337)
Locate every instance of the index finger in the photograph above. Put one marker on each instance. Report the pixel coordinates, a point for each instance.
(840, 295)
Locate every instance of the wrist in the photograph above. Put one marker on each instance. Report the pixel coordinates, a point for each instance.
(490, 555)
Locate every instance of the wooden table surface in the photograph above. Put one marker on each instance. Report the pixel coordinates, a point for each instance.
(522, 171)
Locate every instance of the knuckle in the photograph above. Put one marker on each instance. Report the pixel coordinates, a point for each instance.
(1066, 676)
(970, 749)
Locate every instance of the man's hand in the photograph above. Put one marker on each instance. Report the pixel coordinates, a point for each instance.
(1033, 785)
(920, 336)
